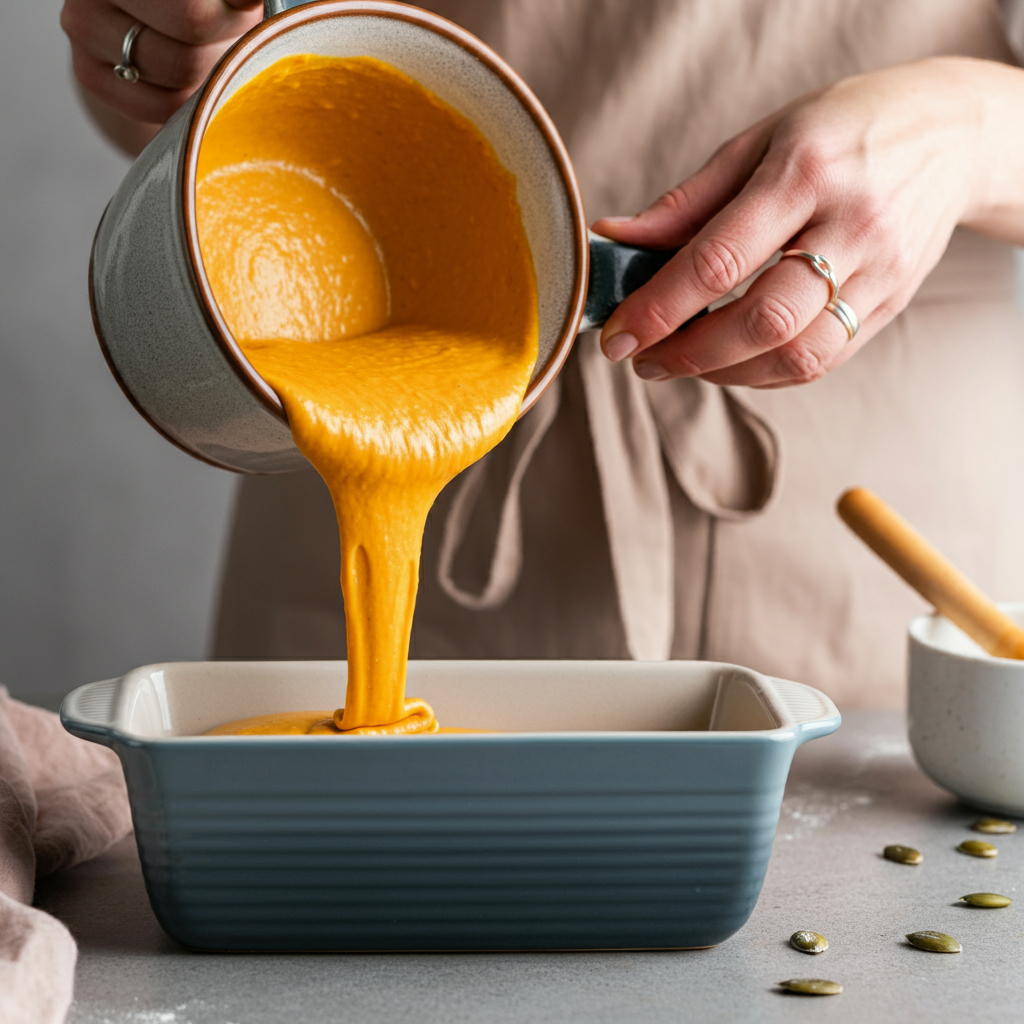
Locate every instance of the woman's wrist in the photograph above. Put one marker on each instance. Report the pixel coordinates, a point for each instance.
(996, 203)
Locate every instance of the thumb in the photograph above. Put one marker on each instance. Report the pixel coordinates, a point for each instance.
(669, 222)
(675, 218)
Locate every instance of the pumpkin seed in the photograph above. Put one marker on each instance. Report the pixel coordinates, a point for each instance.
(812, 986)
(934, 942)
(976, 848)
(808, 942)
(986, 899)
(902, 854)
(994, 826)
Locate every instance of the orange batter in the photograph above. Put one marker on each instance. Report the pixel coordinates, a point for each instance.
(365, 247)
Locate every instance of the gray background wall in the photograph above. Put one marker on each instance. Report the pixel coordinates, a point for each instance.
(110, 539)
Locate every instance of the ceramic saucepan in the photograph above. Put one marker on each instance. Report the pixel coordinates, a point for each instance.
(161, 331)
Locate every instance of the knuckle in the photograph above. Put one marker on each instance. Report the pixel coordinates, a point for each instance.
(196, 24)
(771, 322)
(67, 22)
(674, 199)
(72, 22)
(186, 67)
(871, 220)
(659, 321)
(801, 364)
(891, 307)
(898, 265)
(684, 366)
(733, 148)
(87, 73)
(809, 168)
(717, 267)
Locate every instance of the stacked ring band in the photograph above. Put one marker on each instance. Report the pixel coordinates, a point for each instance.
(126, 70)
(845, 315)
(835, 305)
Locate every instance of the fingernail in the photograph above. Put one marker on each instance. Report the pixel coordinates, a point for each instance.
(618, 346)
(651, 371)
(619, 220)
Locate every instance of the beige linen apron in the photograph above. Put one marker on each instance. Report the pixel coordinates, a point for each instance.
(627, 519)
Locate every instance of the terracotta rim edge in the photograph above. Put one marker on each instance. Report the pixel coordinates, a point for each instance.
(121, 383)
(266, 31)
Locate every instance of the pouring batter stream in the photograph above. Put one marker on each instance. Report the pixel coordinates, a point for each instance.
(366, 250)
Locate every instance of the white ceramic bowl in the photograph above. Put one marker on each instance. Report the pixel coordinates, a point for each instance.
(967, 714)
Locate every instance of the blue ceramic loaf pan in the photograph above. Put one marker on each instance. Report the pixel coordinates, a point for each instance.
(627, 805)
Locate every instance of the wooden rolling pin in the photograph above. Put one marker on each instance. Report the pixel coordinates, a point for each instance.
(902, 548)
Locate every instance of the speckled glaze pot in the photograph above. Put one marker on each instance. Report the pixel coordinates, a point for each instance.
(154, 312)
(966, 714)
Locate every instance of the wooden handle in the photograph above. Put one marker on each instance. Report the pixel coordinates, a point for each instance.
(903, 549)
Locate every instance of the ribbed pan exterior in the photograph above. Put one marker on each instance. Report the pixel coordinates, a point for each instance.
(584, 841)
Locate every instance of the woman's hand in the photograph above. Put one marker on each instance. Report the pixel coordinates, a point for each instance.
(174, 53)
(873, 172)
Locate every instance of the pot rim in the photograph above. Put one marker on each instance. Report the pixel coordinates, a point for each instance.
(916, 633)
(266, 31)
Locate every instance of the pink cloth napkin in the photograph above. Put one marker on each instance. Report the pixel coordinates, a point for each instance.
(62, 801)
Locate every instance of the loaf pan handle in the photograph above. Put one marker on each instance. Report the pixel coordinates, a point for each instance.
(90, 711)
(811, 713)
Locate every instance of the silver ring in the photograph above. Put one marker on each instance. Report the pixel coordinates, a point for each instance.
(126, 70)
(821, 266)
(845, 315)
(835, 305)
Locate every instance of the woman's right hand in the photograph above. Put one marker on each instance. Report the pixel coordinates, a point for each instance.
(174, 52)
(875, 171)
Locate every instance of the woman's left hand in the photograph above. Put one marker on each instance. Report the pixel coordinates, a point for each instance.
(873, 172)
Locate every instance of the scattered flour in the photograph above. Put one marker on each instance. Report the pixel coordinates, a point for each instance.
(806, 809)
(885, 747)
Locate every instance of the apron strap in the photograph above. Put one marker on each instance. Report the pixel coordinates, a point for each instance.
(507, 559)
(635, 496)
(724, 455)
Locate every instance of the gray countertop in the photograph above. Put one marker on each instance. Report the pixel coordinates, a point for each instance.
(848, 796)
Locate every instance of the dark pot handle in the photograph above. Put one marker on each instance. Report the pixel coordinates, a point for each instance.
(617, 270)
